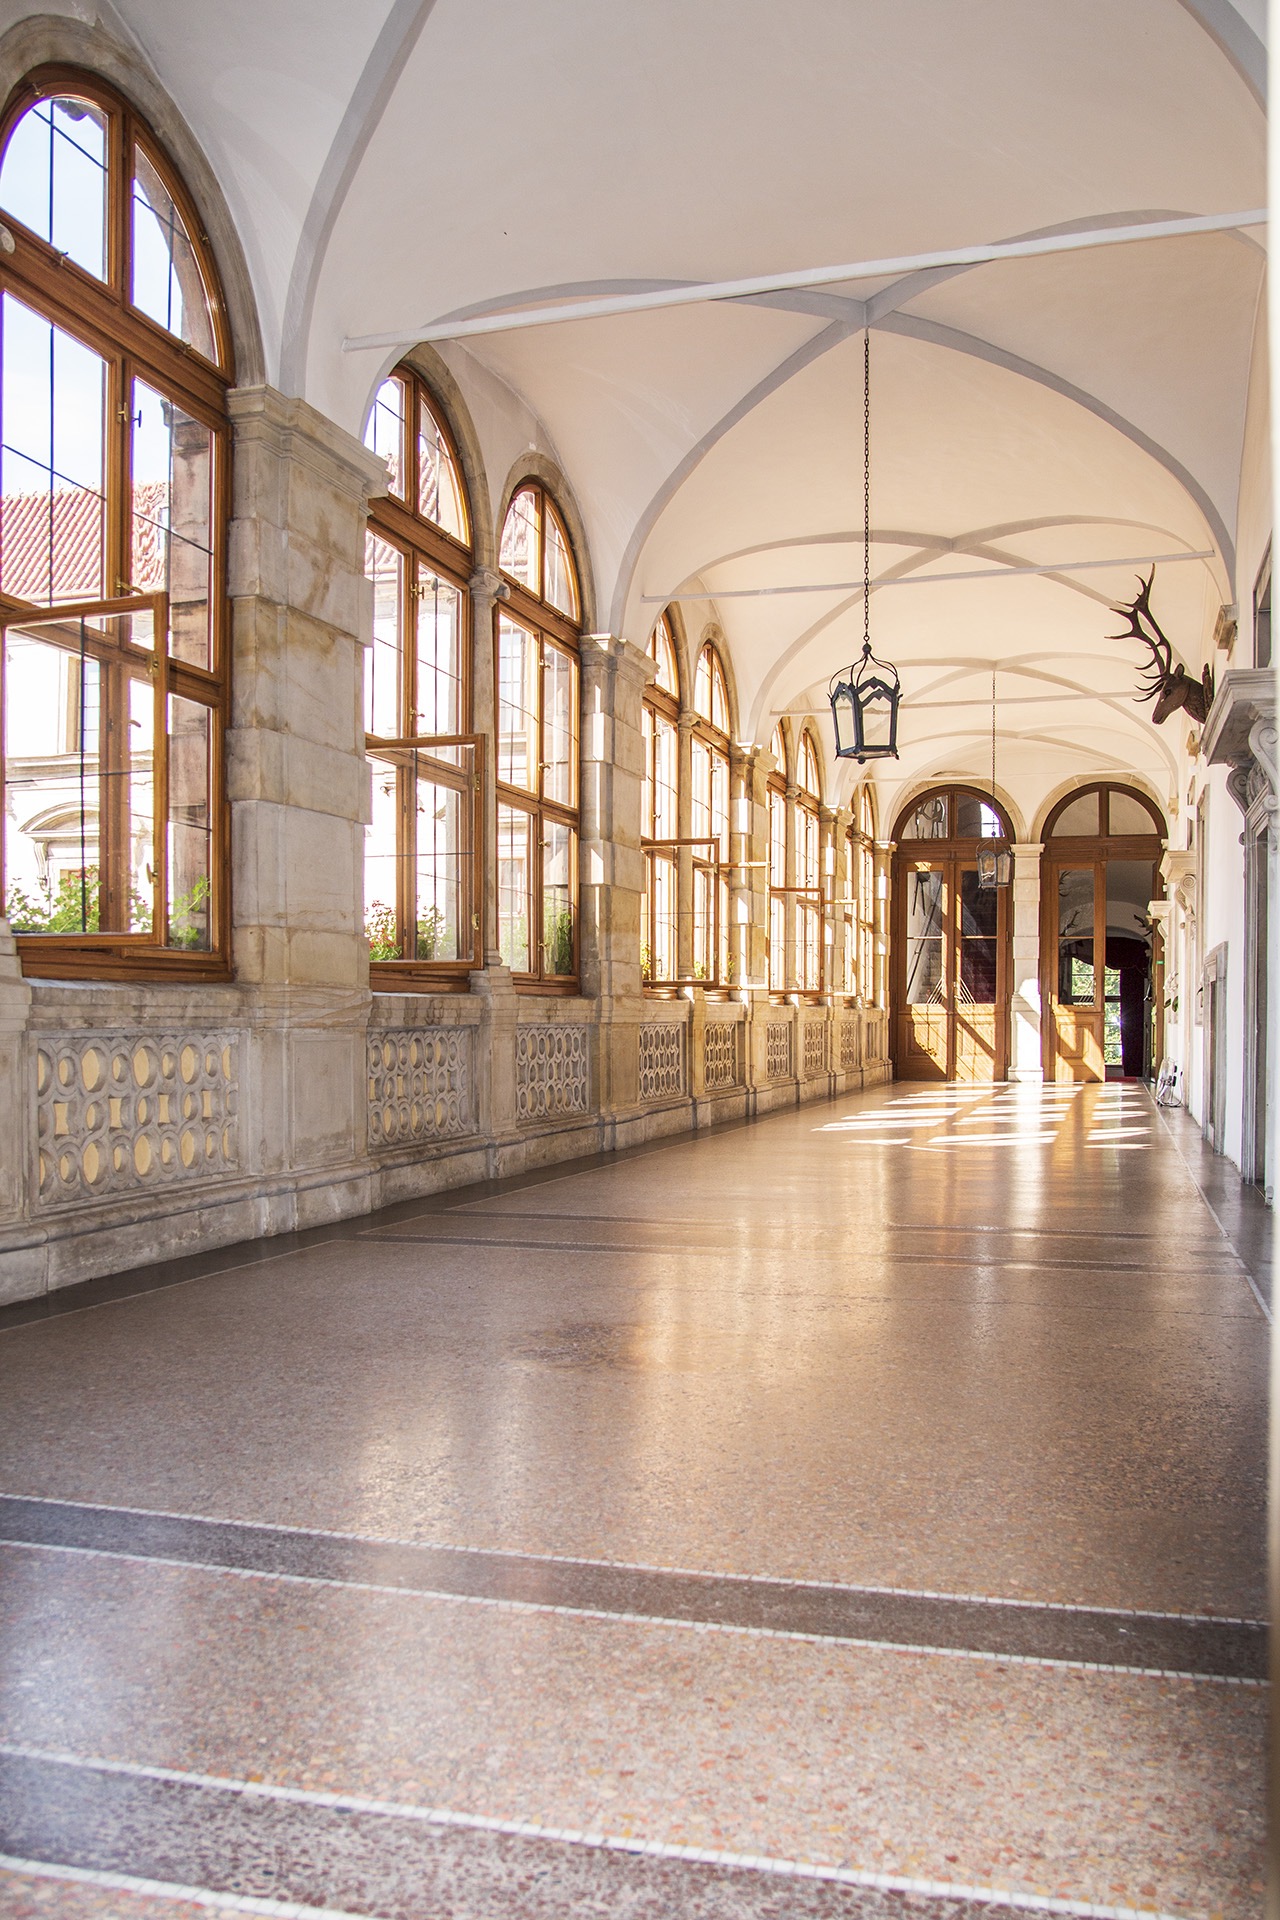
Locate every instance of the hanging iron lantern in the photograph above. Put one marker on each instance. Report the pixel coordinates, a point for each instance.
(865, 700)
(995, 864)
(864, 710)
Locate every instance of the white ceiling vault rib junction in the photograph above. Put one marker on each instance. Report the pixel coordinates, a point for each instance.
(1044, 422)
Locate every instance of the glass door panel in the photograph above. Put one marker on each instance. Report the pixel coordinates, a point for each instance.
(925, 1017)
(977, 984)
(1077, 979)
(926, 946)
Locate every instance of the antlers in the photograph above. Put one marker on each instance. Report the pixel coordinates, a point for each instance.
(1169, 685)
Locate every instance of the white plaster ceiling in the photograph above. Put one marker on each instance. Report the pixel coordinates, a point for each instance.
(409, 159)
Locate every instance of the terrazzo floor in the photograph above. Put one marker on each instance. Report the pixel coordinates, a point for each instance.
(857, 1513)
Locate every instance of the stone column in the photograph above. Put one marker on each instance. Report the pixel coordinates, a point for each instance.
(611, 864)
(1026, 1056)
(299, 786)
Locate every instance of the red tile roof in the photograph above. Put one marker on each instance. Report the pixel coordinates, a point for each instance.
(51, 543)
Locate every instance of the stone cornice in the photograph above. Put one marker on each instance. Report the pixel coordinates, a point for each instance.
(293, 430)
(1245, 695)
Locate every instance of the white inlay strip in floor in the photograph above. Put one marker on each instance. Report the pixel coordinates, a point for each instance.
(532, 1830)
(635, 1566)
(502, 1604)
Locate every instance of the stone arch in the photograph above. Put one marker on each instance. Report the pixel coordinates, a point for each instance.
(52, 41)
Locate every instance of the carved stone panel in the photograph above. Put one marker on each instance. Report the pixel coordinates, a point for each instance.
(129, 1112)
(849, 1052)
(662, 1061)
(553, 1071)
(777, 1049)
(815, 1048)
(422, 1085)
(720, 1055)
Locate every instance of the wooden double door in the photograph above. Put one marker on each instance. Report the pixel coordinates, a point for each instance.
(952, 969)
(1100, 962)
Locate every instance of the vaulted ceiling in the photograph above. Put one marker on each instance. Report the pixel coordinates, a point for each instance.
(393, 164)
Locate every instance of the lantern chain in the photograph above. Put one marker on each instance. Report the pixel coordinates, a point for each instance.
(866, 490)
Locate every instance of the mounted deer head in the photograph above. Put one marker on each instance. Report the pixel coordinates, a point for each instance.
(1169, 685)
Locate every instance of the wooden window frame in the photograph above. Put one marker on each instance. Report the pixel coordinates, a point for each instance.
(662, 707)
(553, 630)
(100, 315)
(860, 914)
(708, 861)
(806, 896)
(427, 548)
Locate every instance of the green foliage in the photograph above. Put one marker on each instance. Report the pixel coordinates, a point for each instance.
(513, 942)
(432, 935)
(189, 918)
(380, 931)
(73, 906)
(646, 963)
(558, 951)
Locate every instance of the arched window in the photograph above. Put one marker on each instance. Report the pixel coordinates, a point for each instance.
(778, 863)
(537, 665)
(421, 862)
(113, 510)
(808, 882)
(709, 819)
(659, 955)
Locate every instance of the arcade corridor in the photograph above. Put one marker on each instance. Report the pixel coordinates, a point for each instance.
(761, 1524)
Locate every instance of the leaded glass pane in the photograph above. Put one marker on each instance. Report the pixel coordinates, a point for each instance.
(168, 285)
(54, 178)
(384, 659)
(52, 473)
(440, 496)
(518, 704)
(559, 587)
(520, 554)
(190, 844)
(172, 518)
(385, 433)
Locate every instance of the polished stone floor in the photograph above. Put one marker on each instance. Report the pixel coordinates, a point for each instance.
(858, 1513)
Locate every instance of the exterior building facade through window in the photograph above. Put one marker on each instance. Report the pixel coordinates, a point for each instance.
(114, 491)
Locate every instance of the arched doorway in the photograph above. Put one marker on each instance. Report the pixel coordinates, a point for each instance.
(951, 953)
(1099, 950)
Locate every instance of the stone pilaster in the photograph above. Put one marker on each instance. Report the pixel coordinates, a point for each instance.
(611, 864)
(834, 822)
(1026, 1056)
(684, 854)
(487, 589)
(16, 1126)
(297, 778)
(750, 769)
(877, 991)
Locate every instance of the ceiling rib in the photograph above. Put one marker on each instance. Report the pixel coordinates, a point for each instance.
(700, 292)
(926, 579)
